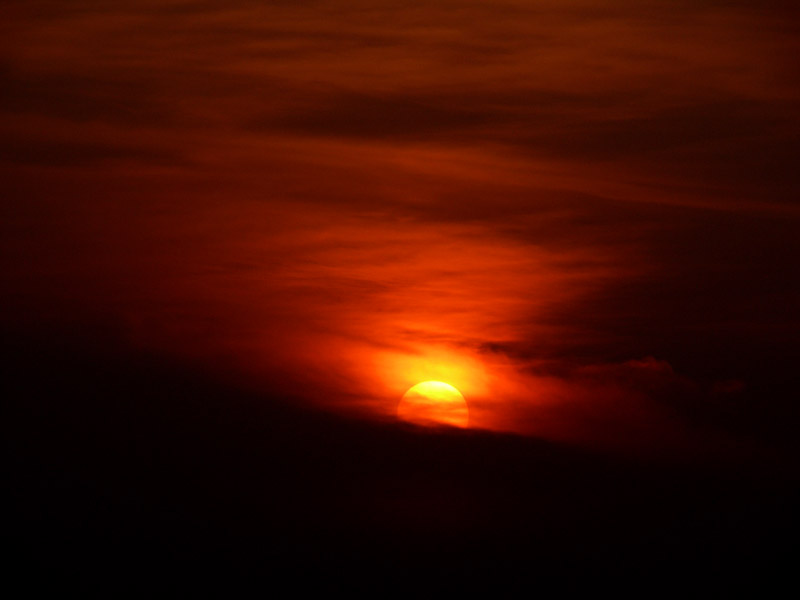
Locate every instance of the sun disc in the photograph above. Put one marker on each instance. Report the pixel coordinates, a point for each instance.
(434, 403)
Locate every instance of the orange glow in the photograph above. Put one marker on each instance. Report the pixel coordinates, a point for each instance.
(337, 204)
(434, 402)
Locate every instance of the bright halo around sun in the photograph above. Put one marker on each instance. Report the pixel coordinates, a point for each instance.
(434, 403)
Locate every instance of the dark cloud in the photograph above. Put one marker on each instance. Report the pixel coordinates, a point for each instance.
(81, 153)
(378, 117)
(81, 97)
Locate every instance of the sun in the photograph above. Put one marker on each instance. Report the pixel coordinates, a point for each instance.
(434, 403)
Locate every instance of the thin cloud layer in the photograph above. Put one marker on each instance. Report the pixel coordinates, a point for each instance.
(339, 198)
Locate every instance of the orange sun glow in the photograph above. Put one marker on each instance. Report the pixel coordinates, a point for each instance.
(434, 403)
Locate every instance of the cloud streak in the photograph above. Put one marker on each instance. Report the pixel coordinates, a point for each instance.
(339, 197)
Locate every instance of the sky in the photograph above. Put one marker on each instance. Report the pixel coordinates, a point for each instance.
(581, 214)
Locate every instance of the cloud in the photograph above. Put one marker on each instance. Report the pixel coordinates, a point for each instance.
(334, 192)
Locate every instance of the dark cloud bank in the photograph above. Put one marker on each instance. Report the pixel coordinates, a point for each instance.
(153, 474)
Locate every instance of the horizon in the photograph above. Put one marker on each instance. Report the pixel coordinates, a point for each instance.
(581, 215)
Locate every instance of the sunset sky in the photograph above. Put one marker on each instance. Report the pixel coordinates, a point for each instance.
(582, 214)
(234, 235)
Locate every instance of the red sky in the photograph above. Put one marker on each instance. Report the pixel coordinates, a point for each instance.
(582, 214)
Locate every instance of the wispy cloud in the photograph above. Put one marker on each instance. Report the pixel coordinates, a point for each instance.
(348, 192)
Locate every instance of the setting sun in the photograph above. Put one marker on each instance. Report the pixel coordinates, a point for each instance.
(432, 403)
